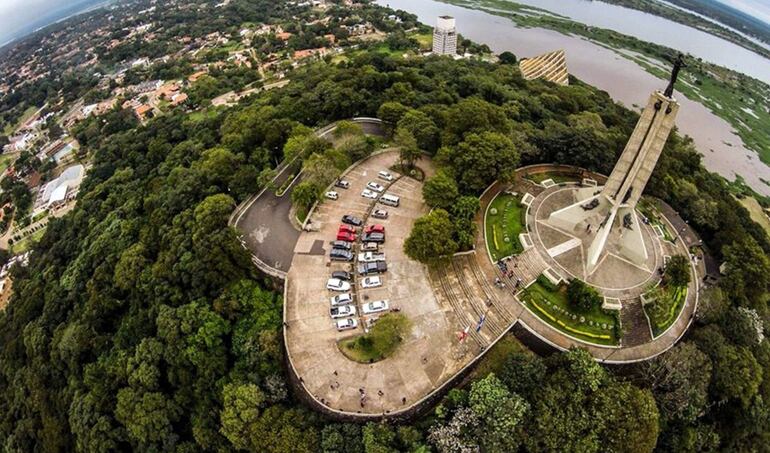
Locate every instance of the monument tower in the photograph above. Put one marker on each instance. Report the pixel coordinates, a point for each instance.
(608, 212)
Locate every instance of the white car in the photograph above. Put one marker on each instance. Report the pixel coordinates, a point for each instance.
(342, 312)
(374, 186)
(342, 184)
(370, 257)
(385, 175)
(332, 195)
(375, 307)
(369, 194)
(347, 324)
(371, 282)
(335, 284)
(380, 214)
(341, 299)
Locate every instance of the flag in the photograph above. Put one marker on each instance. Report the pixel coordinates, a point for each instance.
(481, 322)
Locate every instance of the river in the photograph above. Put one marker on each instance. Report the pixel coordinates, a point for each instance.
(723, 151)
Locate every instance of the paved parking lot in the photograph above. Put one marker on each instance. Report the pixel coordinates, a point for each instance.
(426, 359)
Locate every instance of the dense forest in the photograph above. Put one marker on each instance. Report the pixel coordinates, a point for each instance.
(140, 323)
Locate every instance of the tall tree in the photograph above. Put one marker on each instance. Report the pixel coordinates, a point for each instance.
(431, 237)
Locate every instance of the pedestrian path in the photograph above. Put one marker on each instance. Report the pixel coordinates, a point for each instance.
(564, 247)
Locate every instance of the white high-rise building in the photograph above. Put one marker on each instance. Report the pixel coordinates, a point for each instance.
(445, 36)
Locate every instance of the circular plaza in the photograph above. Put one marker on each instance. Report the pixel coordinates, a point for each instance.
(538, 258)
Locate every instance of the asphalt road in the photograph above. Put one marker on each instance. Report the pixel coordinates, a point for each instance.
(266, 227)
(265, 224)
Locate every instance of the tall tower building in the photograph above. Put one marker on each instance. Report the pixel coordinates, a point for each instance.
(445, 36)
(611, 209)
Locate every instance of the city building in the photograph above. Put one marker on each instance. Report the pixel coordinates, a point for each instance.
(551, 66)
(61, 189)
(445, 36)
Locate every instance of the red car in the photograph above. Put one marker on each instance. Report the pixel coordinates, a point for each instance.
(375, 229)
(347, 229)
(346, 236)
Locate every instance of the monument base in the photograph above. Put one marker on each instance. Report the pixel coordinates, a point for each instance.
(602, 227)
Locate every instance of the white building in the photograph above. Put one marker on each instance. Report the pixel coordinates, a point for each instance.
(62, 188)
(445, 36)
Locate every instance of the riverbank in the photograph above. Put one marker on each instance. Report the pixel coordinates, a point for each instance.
(694, 20)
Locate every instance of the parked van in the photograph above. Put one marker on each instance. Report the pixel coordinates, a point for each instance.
(390, 200)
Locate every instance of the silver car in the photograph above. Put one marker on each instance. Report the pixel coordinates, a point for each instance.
(375, 307)
(374, 186)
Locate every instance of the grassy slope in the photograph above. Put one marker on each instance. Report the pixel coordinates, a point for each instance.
(506, 223)
(559, 310)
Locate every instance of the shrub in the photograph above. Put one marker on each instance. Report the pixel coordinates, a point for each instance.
(545, 283)
(678, 271)
(582, 296)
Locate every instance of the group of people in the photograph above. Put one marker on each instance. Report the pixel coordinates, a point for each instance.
(503, 265)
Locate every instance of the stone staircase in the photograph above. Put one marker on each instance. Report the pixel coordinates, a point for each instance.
(636, 329)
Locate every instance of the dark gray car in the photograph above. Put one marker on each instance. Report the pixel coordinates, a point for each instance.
(341, 255)
(352, 220)
(376, 267)
(374, 237)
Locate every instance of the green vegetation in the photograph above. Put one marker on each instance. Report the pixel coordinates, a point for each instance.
(557, 177)
(323, 161)
(667, 303)
(552, 305)
(25, 243)
(757, 212)
(668, 299)
(381, 342)
(424, 38)
(566, 402)
(504, 222)
(140, 324)
(9, 128)
(647, 207)
(495, 359)
(431, 238)
(5, 161)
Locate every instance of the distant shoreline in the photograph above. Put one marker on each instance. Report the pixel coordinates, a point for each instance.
(87, 8)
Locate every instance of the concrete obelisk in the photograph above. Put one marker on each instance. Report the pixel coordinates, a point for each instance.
(617, 199)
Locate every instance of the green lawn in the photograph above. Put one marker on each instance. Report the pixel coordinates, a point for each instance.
(756, 212)
(8, 129)
(24, 244)
(5, 162)
(665, 310)
(380, 343)
(504, 222)
(558, 178)
(595, 326)
(494, 360)
(425, 40)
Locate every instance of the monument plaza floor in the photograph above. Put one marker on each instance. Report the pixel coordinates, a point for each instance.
(615, 275)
